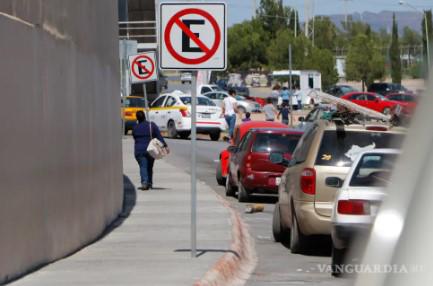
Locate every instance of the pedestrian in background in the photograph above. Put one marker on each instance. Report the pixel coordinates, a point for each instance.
(284, 112)
(247, 117)
(285, 95)
(269, 110)
(298, 96)
(229, 110)
(275, 94)
(143, 133)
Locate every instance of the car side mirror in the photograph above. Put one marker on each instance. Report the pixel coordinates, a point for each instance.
(232, 149)
(334, 182)
(301, 119)
(278, 159)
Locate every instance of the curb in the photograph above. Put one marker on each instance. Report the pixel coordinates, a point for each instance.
(235, 267)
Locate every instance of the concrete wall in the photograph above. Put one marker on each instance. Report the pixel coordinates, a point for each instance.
(60, 148)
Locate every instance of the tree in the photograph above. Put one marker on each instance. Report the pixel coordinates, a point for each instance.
(410, 40)
(394, 53)
(325, 33)
(323, 60)
(428, 15)
(247, 46)
(274, 16)
(364, 61)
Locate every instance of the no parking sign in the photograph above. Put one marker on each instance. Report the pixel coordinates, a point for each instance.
(143, 67)
(192, 36)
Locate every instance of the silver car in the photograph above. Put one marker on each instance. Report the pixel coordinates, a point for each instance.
(244, 105)
(358, 200)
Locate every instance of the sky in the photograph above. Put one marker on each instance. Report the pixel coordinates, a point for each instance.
(240, 10)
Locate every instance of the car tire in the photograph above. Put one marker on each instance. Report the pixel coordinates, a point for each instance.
(242, 109)
(243, 196)
(386, 111)
(337, 261)
(171, 129)
(219, 176)
(276, 223)
(230, 190)
(182, 82)
(215, 136)
(184, 134)
(297, 239)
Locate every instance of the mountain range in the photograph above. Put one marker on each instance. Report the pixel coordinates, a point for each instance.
(383, 20)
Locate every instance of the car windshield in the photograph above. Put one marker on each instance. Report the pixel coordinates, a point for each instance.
(340, 149)
(272, 142)
(134, 102)
(200, 101)
(373, 170)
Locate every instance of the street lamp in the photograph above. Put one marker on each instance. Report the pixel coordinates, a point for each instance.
(401, 2)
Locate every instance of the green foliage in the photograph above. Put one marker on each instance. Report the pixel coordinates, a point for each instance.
(325, 33)
(394, 54)
(364, 61)
(323, 61)
(247, 46)
(273, 16)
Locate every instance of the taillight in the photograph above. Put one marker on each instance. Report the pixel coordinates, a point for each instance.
(376, 128)
(248, 161)
(185, 113)
(353, 207)
(308, 181)
(128, 113)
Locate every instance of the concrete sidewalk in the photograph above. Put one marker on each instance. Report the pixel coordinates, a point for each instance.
(151, 245)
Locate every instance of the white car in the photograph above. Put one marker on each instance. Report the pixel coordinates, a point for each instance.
(172, 113)
(358, 200)
(186, 77)
(243, 104)
(205, 88)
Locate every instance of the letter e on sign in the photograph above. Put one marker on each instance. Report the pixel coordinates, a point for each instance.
(193, 36)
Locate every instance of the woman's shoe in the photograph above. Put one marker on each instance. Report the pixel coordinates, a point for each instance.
(144, 187)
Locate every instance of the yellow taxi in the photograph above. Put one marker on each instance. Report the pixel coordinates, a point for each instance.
(130, 106)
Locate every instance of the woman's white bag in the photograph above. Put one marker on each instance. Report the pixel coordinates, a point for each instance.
(156, 148)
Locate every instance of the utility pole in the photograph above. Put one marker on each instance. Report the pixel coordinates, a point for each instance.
(346, 12)
(309, 18)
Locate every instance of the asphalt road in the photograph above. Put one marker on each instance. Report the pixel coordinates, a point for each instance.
(276, 265)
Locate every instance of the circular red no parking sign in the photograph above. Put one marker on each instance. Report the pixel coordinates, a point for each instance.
(144, 71)
(209, 52)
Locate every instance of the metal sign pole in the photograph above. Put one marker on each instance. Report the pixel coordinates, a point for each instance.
(290, 85)
(146, 102)
(193, 165)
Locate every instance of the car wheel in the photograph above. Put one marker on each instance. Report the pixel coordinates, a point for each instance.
(182, 82)
(337, 261)
(276, 223)
(297, 239)
(171, 129)
(386, 111)
(243, 196)
(230, 190)
(242, 109)
(215, 136)
(184, 135)
(219, 176)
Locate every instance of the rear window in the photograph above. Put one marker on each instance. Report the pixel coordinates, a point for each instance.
(373, 170)
(340, 149)
(200, 101)
(268, 142)
(134, 102)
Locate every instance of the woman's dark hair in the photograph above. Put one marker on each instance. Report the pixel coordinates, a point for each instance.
(140, 116)
(232, 92)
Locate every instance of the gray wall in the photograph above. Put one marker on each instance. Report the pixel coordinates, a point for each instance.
(60, 147)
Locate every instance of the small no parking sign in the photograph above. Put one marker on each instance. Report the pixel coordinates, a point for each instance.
(192, 36)
(143, 67)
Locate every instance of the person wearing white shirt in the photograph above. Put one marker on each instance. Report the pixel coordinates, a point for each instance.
(229, 110)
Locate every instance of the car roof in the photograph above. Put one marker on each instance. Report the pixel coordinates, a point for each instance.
(246, 126)
(332, 125)
(277, 130)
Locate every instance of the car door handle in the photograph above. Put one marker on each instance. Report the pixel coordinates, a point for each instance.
(157, 112)
(169, 112)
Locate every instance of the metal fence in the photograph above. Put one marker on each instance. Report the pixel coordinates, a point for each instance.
(142, 31)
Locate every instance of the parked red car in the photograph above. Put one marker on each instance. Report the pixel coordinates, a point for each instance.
(239, 133)
(371, 100)
(407, 101)
(250, 170)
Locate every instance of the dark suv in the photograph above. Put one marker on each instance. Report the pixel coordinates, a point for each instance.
(384, 88)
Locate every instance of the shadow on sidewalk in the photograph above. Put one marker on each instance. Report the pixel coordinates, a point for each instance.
(129, 201)
(201, 252)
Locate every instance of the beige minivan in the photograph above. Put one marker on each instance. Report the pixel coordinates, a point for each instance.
(308, 186)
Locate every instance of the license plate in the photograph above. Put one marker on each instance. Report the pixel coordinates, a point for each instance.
(205, 115)
(277, 181)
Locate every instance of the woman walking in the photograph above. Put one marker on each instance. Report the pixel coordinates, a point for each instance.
(143, 133)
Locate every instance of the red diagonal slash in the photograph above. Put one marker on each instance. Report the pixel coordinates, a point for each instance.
(192, 36)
